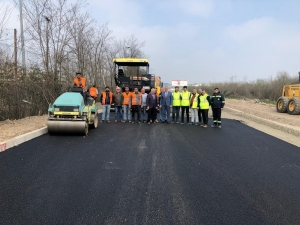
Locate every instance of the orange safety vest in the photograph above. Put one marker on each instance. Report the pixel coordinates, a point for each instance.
(81, 82)
(93, 92)
(104, 97)
(134, 98)
(126, 98)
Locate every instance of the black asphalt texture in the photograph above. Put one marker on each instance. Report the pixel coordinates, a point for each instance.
(152, 174)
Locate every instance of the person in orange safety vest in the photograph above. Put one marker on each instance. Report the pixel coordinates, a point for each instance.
(126, 105)
(80, 81)
(106, 100)
(136, 102)
(93, 92)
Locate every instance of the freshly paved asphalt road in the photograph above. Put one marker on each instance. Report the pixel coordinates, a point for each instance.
(152, 174)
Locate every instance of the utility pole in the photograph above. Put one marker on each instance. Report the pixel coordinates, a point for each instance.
(47, 44)
(16, 54)
(16, 76)
(22, 41)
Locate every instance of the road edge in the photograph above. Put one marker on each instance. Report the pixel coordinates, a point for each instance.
(283, 132)
(22, 138)
(283, 127)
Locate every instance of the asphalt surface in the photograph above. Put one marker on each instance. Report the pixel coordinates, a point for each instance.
(152, 174)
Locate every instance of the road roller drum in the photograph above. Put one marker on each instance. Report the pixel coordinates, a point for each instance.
(67, 127)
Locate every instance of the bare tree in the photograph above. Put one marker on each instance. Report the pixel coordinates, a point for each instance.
(5, 12)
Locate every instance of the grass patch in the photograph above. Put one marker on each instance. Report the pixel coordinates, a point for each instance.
(268, 101)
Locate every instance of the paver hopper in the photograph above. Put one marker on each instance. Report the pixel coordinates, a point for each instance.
(69, 115)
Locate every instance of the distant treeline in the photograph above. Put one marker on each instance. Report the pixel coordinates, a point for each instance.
(270, 88)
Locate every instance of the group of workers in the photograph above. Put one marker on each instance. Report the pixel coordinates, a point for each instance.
(137, 107)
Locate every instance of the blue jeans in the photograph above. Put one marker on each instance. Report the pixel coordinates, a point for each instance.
(118, 112)
(105, 112)
(127, 113)
(165, 111)
(143, 113)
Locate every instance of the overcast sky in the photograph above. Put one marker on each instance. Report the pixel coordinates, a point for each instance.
(209, 40)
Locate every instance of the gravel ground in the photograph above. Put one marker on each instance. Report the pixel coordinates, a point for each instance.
(263, 110)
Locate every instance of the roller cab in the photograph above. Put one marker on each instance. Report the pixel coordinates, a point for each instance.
(69, 115)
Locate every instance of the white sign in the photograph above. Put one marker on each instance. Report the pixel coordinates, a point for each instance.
(179, 82)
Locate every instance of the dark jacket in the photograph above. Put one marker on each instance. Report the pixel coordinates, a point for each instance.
(118, 99)
(150, 102)
(217, 100)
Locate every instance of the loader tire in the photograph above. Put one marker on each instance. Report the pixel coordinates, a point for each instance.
(294, 106)
(282, 104)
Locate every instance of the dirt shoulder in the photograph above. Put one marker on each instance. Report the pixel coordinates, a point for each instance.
(258, 115)
(13, 128)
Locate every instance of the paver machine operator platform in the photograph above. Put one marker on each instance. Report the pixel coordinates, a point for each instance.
(134, 72)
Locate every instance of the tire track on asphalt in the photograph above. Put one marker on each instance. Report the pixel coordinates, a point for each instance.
(125, 209)
(166, 202)
(151, 191)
